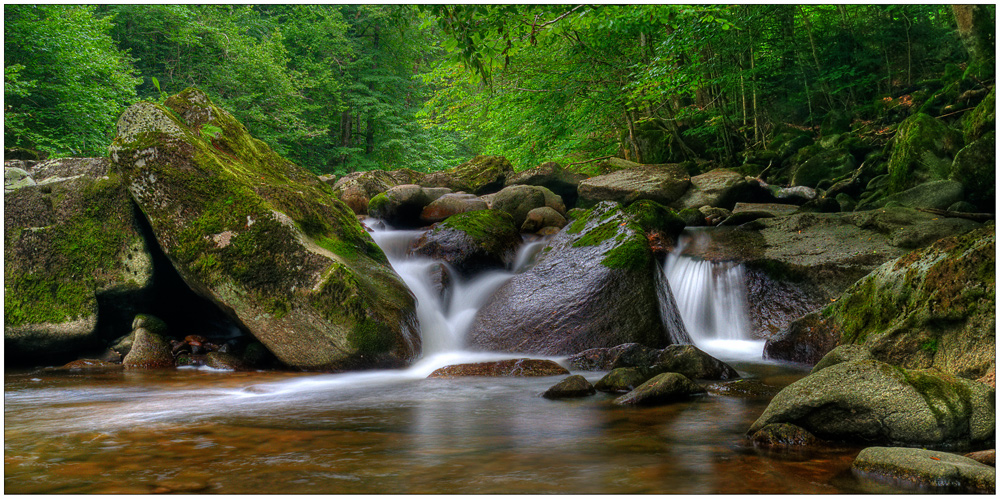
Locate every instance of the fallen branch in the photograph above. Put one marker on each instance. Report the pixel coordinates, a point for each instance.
(975, 217)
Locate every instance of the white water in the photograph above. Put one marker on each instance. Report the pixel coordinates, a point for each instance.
(711, 297)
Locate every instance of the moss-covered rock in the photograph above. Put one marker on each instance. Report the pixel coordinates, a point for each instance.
(480, 175)
(782, 436)
(502, 368)
(472, 242)
(70, 246)
(595, 285)
(923, 470)
(553, 177)
(981, 120)
(827, 165)
(518, 200)
(356, 189)
(575, 386)
(922, 150)
(450, 204)
(661, 389)
(623, 379)
(975, 168)
(661, 183)
(874, 402)
(654, 217)
(263, 239)
(149, 351)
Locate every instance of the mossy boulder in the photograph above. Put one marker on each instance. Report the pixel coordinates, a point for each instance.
(661, 389)
(472, 242)
(356, 189)
(840, 354)
(553, 177)
(480, 175)
(623, 379)
(827, 165)
(654, 217)
(782, 436)
(661, 183)
(719, 188)
(264, 240)
(73, 253)
(874, 402)
(403, 205)
(922, 470)
(575, 386)
(450, 204)
(982, 119)
(148, 351)
(596, 284)
(922, 150)
(975, 168)
(503, 368)
(539, 218)
(518, 200)
(693, 363)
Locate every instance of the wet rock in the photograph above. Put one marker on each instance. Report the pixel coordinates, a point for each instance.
(401, 205)
(480, 175)
(572, 387)
(981, 120)
(450, 204)
(149, 351)
(90, 365)
(519, 200)
(228, 362)
(263, 239)
(604, 359)
(542, 217)
(987, 457)
(502, 368)
(661, 389)
(150, 323)
(782, 436)
(693, 363)
(871, 401)
(623, 379)
(69, 244)
(595, 285)
(925, 469)
(745, 388)
(842, 353)
(472, 242)
(661, 183)
(553, 177)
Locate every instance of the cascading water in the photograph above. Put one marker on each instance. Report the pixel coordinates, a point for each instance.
(711, 297)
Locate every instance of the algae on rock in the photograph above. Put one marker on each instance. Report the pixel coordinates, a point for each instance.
(263, 239)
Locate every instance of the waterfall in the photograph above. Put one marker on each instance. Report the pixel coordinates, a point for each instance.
(711, 297)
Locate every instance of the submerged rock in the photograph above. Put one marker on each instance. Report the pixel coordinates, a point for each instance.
(595, 285)
(871, 401)
(782, 436)
(502, 368)
(264, 240)
(472, 242)
(661, 389)
(925, 470)
(572, 387)
(693, 363)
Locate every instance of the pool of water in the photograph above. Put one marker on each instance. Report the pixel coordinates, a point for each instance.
(199, 431)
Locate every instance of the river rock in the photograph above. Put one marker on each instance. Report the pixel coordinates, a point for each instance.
(519, 200)
(472, 242)
(480, 175)
(718, 188)
(934, 307)
(693, 363)
(664, 184)
(782, 436)
(553, 177)
(90, 365)
(842, 353)
(356, 189)
(987, 457)
(871, 401)
(502, 368)
(68, 245)
(925, 470)
(572, 387)
(149, 351)
(923, 150)
(623, 379)
(450, 204)
(226, 361)
(264, 240)
(596, 284)
(542, 217)
(402, 205)
(605, 359)
(661, 389)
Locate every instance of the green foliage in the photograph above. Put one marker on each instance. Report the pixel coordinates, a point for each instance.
(65, 81)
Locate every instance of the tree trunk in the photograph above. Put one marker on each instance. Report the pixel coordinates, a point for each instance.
(976, 30)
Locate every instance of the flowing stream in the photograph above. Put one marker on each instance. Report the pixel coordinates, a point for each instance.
(200, 430)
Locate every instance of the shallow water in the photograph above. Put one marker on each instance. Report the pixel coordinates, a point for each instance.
(386, 432)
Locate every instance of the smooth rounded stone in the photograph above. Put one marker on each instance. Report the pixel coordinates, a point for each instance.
(502, 368)
(745, 388)
(661, 183)
(519, 200)
(661, 389)
(925, 470)
(938, 195)
(622, 379)
(553, 177)
(480, 175)
(16, 178)
(149, 351)
(225, 361)
(717, 188)
(871, 401)
(401, 205)
(449, 204)
(714, 216)
(472, 241)
(924, 233)
(693, 363)
(542, 217)
(605, 359)
(89, 365)
(782, 436)
(356, 189)
(572, 387)
(150, 323)
(987, 457)
(842, 353)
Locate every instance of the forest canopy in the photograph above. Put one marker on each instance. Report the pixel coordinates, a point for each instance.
(341, 88)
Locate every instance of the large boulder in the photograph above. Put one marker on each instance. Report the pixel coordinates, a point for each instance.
(403, 205)
(472, 242)
(826, 165)
(934, 307)
(690, 361)
(553, 177)
(981, 120)
(924, 470)
(356, 189)
(480, 175)
(661, 183)
(450, 204)
(518, 200)
(975, 168)
(73, 249)
(874, 402)
(596, 284)
(922, 150)
(264, 240)
(720, 188)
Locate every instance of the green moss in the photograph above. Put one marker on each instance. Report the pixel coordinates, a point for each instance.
(922, 151)
(370, 337)
(930, 345)
(377, 204)
(651, 215)
(480, 225)
(632, 254)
